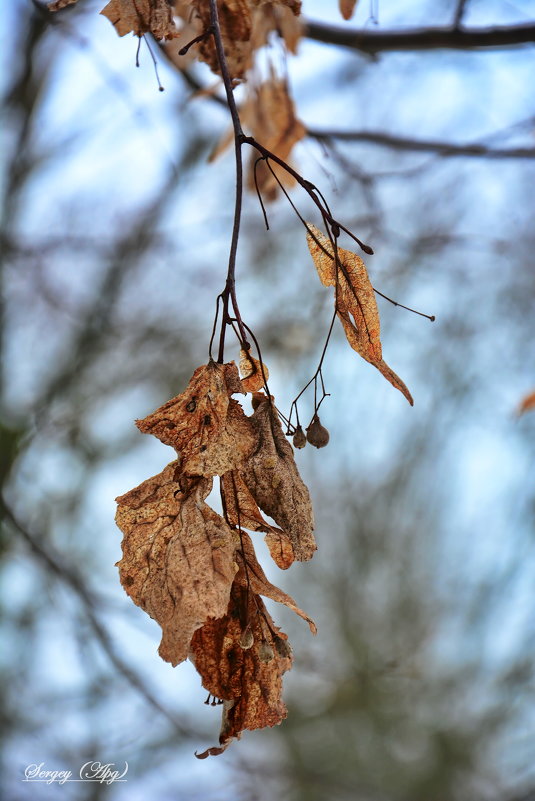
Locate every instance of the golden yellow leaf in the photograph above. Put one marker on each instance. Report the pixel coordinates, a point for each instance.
(178, 559)
(253, 373)
(208, 429)
(347, 8)
(140, 17)
(354, 301)
(273, 480)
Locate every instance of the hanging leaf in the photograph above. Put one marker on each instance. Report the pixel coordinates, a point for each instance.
(253, 374)
(527, 403)
(347, 8)
(249, 684)
(282, 17)
(273, 480)
(273, 122)
(236, 28)
(57, 5)
(354, 301)
(242, 510)
(253, 576)
(178, 559)
(141, 17)
(203, 424)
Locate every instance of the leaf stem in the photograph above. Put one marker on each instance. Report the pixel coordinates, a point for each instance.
(229, 293)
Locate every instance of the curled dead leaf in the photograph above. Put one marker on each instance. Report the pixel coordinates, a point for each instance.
(242, 510)
(245, 27)
(140, 17)
(269, 113)
(254, 373)
(236, 28)
(273, 121)
(203, 424)
(282, 17)
(273, 480)
(253, 576)
(178, 559)
(354, 301)
(57, 5)
(250, 687)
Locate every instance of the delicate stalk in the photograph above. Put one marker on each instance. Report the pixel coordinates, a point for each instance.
(229, 293)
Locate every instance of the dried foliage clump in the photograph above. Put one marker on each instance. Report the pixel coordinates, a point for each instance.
(195, 571)
(192, 569)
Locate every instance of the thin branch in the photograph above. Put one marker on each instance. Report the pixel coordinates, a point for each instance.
(411, 39)
(229, 293)
(75, 582)
(448, 149)
(459, 13)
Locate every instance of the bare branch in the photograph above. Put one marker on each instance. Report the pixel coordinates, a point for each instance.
(70, 577)
(459, 13)
(442, 148)
(369, 41)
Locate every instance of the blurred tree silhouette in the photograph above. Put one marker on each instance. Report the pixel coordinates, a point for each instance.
(115, 231)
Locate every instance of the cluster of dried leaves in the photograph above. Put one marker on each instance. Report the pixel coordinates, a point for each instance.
(195, 571)
(246, 26)
(190, 568)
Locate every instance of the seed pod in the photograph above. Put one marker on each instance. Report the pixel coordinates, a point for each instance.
(283, 647)
(246, 639)
(299, 439)
(265, 652)
(317, 434)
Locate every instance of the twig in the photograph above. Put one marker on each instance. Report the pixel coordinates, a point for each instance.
(229, 293)
(70, 577)
(447, 149)
(459, 13)
(421, 38)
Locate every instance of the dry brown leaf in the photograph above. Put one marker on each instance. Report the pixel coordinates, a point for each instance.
(253, 373)
(57, 5)
(355, 302)
(189, 27)
(236, 27)
(273, 480)
(347, 8)
(140, 17)
(269, 114)
(249, 683)
(178, 559)
(280, 17)
(241, 510)
(251, 575)
(527, 403)
(203, 424)
(272, 120)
